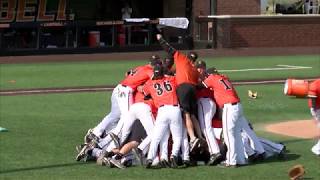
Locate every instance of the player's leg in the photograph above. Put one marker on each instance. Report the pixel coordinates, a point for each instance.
(164, 154)
(206, 111)
(254, 140)
(129, 119)
(272, 148)
(161, 126)
(174, 114)
(184, 94)
(113, 116)
(316, 148)
(248, 150)
(144, 114)
(185, 149)
(231, 134)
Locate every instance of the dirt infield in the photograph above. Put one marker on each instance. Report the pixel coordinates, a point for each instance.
(144, 55)
(305, 129)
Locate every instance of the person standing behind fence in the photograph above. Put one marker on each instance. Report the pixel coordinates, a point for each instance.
(126, 11)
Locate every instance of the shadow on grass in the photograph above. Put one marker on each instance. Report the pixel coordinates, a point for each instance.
(42, 167)
(286, 157)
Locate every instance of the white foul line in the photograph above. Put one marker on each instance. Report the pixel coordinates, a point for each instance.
(280, 67)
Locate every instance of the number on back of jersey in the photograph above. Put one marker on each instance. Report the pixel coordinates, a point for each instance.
(160, 88)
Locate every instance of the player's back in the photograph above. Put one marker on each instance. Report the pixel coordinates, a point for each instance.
(185, 71)
(138, 76)
(162, 91)
(223, 90)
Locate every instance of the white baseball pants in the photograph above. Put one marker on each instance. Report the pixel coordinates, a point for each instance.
(254, 140)
(121, 99)
(316, 148)
(233, 123)
(206, 111)
(138, 111)
(168, 118)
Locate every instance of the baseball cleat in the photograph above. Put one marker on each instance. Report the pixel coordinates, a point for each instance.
(138, 155)
(223, 164)
(186, 163)
(117, 163)
(115, 139)
(194, 144)
(79, 147)
(164, 163)
(89, 137)
(174, 162)
(148, 163)
(103, 161)
(84, 152)
(282, 154)
(215, 159)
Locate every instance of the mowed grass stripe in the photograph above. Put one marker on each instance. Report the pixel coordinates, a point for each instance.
(99, 73)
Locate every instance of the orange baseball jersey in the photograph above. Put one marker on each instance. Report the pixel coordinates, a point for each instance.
(162, 91)
(314, 89)
(185, 71)
(204, 93)
(139, 97)
(223, 91)
(138, 76)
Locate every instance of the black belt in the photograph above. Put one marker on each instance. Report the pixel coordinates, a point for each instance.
(232, 104)
(168, 105)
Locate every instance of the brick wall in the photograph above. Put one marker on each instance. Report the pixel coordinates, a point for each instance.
(268, 32)
(237, 7)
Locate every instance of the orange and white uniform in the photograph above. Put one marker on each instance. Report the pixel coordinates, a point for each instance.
(314, 105)
(163, 92)
(233, 120)
(122, 98)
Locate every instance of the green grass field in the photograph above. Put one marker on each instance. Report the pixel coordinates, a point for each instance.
(44, 129)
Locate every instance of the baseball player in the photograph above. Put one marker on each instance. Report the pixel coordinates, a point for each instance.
(232, 121)
(121, 99)
(314, 105)
(270, 149)
(163, 91)
(206, 112)
(186, 78)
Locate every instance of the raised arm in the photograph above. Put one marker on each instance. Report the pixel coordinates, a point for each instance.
(165, 45)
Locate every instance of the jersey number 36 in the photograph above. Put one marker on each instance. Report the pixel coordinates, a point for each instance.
(166, 86)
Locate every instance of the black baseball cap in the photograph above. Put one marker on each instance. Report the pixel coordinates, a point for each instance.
(193, 56)
(212, 70)
(154, 60)
(157, 71)
(201, 64)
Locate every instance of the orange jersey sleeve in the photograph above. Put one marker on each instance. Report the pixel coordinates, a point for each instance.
(162, 91)
(138, 76)
(314, 89)
(223, 91)
(185, 71)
